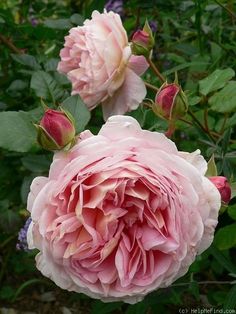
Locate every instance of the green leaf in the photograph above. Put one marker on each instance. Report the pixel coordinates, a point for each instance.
(194, 289)
(27, 60)
(211, 167)
(6, 293)
(17, 132)
(77, 19)
(37, 163)
(140, 308)
(230, 301)
(222, 259)
(9, 221)
(25, 188)
(224, 100)
(104, 308)
(233, 189)
(51, 64)
(78, 110)
(25, 285)
(215, 81)
(45, 86)
(232, 211)
(194, 100)
(17, 85)
(225, 237)
(184, 66)
(58, 24)
(231, 121)
(225, 141)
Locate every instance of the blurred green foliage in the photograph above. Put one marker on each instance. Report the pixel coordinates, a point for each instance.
(195, 38)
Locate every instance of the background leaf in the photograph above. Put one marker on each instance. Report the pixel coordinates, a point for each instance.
(27, 60)
(215, 81)
(45, 86)
(224, 100)
(230, 302)
(78, 110)
(17, 132)
(225, 237)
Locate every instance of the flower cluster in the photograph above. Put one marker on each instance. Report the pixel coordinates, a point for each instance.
(121, 213)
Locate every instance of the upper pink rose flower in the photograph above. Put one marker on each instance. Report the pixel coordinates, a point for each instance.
(121, 214)
(97, 60)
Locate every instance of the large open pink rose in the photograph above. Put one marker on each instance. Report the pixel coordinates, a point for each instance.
(121, 214)
(97, 59)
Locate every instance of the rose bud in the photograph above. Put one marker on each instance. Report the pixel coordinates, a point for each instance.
(143, 41)
(223, 187)
(170, 102)
(56, 130)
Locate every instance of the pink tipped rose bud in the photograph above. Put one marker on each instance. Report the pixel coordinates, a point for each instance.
(56, 130)
(143, 41)
(170, 101)
(223, 187)
(140, 37)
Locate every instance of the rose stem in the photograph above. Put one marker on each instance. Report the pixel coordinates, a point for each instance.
(9, 44)
(227, 9)
(156, 89)
(156, 71)
(224, 123)
(206, 120)
(200, 125)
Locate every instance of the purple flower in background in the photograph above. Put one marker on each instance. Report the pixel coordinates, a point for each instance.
(153, 26)
(33, 21)
(115, 6)
(22, 236)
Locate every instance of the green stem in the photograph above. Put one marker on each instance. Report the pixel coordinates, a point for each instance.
(224, 123)
(148, 85)
(156, 71)
(212, 133)
(226, 8)
(203, 283)
(206, 120)
(9, 44)
(198, 24)
(200, 125)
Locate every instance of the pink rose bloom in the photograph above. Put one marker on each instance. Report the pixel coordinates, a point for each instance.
(97, 60)
(122, 213)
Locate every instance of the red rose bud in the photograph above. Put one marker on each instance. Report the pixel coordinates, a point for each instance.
(170, 102)
(223, 187)
(56, 130)
(140, 37)
(143, 41)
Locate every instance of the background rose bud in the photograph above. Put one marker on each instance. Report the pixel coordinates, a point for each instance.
(56, 130)
(223, 187)
(143, 41)
(170, 102)
(140, 37)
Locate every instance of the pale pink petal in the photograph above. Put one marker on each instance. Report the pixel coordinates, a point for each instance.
(138, 64)
(128, 97)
